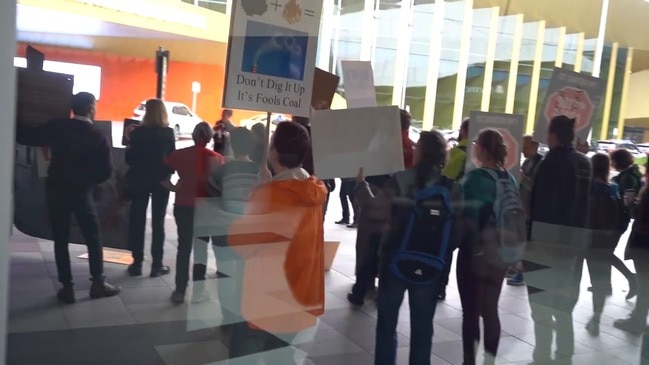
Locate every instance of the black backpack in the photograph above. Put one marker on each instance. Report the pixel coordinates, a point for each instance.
(424, 233)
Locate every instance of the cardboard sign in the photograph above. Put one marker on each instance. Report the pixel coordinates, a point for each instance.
(325, 85)
(511, 126)
(358, 79)
(345, 140)
(574, 95)
(43, 96)
(271, 55)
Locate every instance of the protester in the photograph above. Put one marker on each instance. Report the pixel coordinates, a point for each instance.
(149, 145)
(400, 191)
(559, 208)
(408, 145)
(259, 143)
(532, 160)
(194, 165)
(231, 184)
(371, 226)
(480, 265)
(605, 213)
(283, 283)
(638, 251)
(80, 160)
(629, 181)
(346, 197)
(454, 169)
(222, 129)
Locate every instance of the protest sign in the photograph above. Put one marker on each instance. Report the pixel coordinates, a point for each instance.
(358, 79)
(271, 55)
(345, 140)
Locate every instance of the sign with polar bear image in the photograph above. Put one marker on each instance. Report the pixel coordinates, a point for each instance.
(271, 55)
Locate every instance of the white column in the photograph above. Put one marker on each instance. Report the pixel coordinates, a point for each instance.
(491, 56)
(599, 48)
(369, 30)
(338, 9)
(7, 153)
(326, 34)
(403, 51)
(434, 55)
(463, 64)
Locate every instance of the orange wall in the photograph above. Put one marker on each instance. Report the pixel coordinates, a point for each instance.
(126, 81)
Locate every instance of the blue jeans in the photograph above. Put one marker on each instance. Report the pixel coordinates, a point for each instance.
(423, 300)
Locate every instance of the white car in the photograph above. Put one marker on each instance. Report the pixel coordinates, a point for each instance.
(261, 118)
(181, 118)
(609, 146)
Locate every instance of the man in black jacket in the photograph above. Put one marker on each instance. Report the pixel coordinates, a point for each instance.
(80, 160)
(559, 213)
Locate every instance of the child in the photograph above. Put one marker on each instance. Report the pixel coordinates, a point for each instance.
(194, 165)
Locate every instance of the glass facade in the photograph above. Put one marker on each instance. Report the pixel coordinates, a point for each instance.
(573, 50)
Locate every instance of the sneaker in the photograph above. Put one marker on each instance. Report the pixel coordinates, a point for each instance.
(516, 280)
(178, 297)
(593, 327)
(355, 300)
(343, 221)
(66, 295)
(631, 324)
(134, 270)
(159, 271)
(633, 287)
(101, 289)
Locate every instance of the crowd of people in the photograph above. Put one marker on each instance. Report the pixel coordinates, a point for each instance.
(268, 235)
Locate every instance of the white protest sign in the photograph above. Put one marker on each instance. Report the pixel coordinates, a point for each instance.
(574, 95)
(358, 79)
(271, 55)
(345, 140)
(511, 126)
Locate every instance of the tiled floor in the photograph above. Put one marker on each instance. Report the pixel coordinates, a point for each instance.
(141, 326)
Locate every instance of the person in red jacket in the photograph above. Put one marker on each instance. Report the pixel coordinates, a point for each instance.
(408, 145)
(283, 280)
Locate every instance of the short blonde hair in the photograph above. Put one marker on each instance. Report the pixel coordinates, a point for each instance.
(155, 114)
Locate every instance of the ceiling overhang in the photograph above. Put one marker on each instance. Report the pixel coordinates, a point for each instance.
(192, 34)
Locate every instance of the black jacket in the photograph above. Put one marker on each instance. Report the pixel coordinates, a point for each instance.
(80, 152)
(146, 154)
(561, 189)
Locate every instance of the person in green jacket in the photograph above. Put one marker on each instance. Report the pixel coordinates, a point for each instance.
(455, 166)
(454, 169)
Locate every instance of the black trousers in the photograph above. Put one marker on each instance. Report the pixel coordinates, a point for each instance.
(63, 202)
(185, 225)
(347, 195)
(137, 221)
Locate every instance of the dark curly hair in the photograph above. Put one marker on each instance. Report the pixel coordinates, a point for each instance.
(433, 150)
(621, 159)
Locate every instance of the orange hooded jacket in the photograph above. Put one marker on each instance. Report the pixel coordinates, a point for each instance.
(281, 240)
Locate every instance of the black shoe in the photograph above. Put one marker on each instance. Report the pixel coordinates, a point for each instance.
(101, 289)
(441, 295)
(343, 221)
(353, 225)
(355, 300)
(134, 270)
(159, 271)
(66, 295)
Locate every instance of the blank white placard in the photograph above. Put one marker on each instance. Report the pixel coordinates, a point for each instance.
(345, 140)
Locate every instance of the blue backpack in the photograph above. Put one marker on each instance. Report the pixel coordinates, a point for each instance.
(424, 234)
(508, 231)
